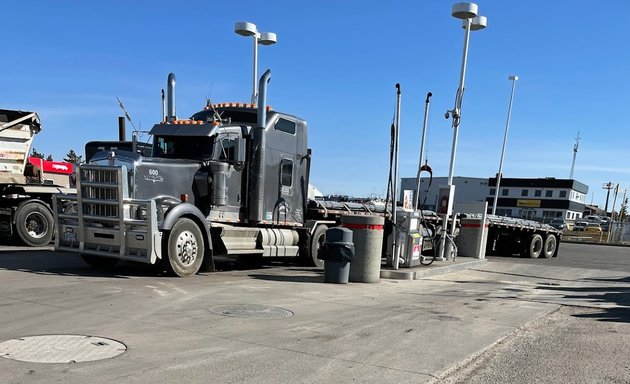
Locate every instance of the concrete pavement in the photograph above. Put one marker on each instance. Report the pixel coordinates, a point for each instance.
(399, 331)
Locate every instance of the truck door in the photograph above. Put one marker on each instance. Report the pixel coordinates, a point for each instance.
(285, 210)
(282, 141)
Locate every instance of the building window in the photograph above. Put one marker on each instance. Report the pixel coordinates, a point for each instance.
(504, 192)
(548, 193)
(504, 212)
(524, 192)
(538, 193)
(563, 193)
(493, 191)
(568, 215)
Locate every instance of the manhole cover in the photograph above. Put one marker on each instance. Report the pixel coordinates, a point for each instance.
(60, 348)
(251, 311)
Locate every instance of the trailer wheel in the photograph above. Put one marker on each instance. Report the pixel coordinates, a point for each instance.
(34, 224)
(535, 246)
(100, 262)
(549, 249)
(185, 249)
(317, 240)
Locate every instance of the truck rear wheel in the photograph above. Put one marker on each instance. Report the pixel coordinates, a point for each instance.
(34, 224)
(535, 246)
(185, 249)
(549, 249)
(317, 240)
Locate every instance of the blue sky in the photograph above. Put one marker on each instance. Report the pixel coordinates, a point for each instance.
(335, 65)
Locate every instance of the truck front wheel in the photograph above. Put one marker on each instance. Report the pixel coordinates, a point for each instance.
(34, 224)
(185, 249)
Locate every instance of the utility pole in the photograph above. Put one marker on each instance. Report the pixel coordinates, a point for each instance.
(575, 151)
(608, 186)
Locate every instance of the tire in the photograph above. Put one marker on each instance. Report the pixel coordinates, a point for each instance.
(100, 262)
(550, 246)
(317, 240)
(34, 224)
(535, 246)
(184, 249)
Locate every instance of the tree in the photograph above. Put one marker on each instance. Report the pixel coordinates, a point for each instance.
(49, 158)
(37, 154)
(72, 157)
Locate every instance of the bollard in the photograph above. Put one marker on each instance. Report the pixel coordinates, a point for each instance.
(472, 237)
(368, 243)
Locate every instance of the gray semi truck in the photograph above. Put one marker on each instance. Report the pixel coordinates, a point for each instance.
(231, 180)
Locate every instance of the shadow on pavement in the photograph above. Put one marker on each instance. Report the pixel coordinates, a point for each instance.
(286, 278)
(619, 296)
(45, 261)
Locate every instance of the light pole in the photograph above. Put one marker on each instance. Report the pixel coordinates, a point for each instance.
(244, 28)
(471, 22)
(505, 136)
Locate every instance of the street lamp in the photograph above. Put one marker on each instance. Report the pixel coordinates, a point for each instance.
(244, 28)
(467, 12)
(471, 22)
(513, 78)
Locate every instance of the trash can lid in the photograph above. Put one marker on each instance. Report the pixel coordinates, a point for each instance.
(338, 235)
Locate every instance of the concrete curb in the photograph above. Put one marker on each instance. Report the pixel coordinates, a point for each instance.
(418, 273)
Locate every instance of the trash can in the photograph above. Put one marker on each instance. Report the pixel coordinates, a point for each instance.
(367, 232)
(337, 253)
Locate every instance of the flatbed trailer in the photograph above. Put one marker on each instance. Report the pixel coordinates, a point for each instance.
(509, 236)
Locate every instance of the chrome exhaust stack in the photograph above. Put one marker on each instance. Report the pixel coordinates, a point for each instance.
(170, 96)
(257, 171)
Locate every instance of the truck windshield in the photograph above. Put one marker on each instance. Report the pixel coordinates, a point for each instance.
(183, 147)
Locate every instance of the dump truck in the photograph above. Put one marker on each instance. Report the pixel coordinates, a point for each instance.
(27, 184)
(231, 180)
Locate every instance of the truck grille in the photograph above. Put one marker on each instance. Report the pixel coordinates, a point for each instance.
(100, 193)
(102, 190)
(101, 219)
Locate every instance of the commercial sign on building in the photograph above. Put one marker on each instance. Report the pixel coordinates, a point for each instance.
(528, 203)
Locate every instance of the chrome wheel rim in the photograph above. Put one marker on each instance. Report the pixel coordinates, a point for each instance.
(187, 248)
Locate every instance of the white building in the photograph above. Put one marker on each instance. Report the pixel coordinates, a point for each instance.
(535, 199)
(467, 189)
(544, 199)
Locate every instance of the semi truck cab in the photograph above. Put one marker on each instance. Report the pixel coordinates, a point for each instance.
(232, 180)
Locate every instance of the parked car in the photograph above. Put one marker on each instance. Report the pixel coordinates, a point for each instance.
(580, 226)
(593, 228)
(593, 219)
(560, 224)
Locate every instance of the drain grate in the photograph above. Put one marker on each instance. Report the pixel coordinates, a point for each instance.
(60, 349)
(251, 311)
